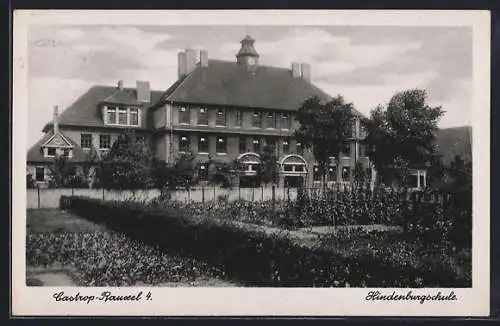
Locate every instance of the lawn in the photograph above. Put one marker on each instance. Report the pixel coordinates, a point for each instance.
(63, 249)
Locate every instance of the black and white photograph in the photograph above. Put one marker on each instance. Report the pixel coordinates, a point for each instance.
(242, 152)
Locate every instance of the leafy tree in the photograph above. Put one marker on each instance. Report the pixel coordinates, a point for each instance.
(184, 170)
(128, 165)
(402, 135)
(30, 181)
(268, 170)
(61, 171)
(460, 172)
(325, 128)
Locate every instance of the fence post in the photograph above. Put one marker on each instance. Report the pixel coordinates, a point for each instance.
(103, 193)
(253, 192)
(214, 191)
(72, 191)
(262, 188)
(202, 193)
(274, 194)
(189, 194)
(239, 192)
(405, 211)
(38, 193)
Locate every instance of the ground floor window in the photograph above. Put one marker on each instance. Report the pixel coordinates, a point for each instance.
(346, 171)
(332, 173)
(40, 174)
(249, 182)
(316, 173)
(203, 172)
(293, 181)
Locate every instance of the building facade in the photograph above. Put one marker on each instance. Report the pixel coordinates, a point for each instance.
(225, 111)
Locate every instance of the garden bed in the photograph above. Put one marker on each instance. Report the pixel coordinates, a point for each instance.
(89, 254)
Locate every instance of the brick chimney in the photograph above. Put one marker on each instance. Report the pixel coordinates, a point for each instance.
(143, 91)
(181, 64)
(306, 71)
(55, 119)
(296, 70)
(120, 85)
(204, 58)
(191, 60)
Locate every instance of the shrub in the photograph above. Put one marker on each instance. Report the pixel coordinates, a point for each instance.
(262, 259)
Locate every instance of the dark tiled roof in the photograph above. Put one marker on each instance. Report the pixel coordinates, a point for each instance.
(35, 154)
(85, 112)
(454, 141)
(227, 83)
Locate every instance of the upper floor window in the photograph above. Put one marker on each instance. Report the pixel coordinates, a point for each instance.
(286, 146)
(203, 117)
(111, 118)
(104, 141)
(242, 144)
(184, 115)
(270, 120)
(183, 143)
(122, 116)
(238, 118)
(86, 140)
(203, 144)
(134, 117)
(300, 148)
(220, 119)
(257, 119)
(285, 121)
(221, 145)
(256, 145)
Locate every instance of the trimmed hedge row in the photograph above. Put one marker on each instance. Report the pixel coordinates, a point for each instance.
(257, 258)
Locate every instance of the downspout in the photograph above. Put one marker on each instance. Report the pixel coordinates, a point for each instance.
(171, 127)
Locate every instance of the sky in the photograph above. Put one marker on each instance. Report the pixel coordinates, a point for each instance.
(365, 64)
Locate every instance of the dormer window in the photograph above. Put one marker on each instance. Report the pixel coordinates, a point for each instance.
(122, 116)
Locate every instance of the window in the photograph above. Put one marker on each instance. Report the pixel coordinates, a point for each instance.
(86, 140)
(286, 147)
(203, 172)
(67, 152)
(346, 150)
(221, 145)
(422, 180)
(412, 181)
(285, 121)
(122, 116)
(184, 143)
(203, 145)
(111, 115)
(39, 174)
(332, 173)
(51, 151)
(183, 115)
(288, 168)
(242, 144)
(299, 168)
(239, 118)
(140, 139)
(104, 141)
(257, 119)
(316, 173)
(270, 120)
(346, 173)
(134, 117)
(256, 145)
(203, 117)
(220, 119)
(299, 148)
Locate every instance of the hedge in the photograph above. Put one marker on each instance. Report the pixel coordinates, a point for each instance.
(259, 259)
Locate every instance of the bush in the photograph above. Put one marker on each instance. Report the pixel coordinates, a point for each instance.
(261, 259)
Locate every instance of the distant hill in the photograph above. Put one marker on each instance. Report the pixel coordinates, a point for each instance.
(454, 141)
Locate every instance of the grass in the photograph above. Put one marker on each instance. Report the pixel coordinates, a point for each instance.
(60, 243)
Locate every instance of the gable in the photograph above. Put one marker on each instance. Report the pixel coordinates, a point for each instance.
(58, 140)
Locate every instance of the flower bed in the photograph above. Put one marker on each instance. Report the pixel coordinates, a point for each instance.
(111, 259)
(267, 260)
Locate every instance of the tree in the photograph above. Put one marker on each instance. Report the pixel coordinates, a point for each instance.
(128, 165)
(184, 169)
(402, 135)
(267, 170)
(325, 128)
(61, 171)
